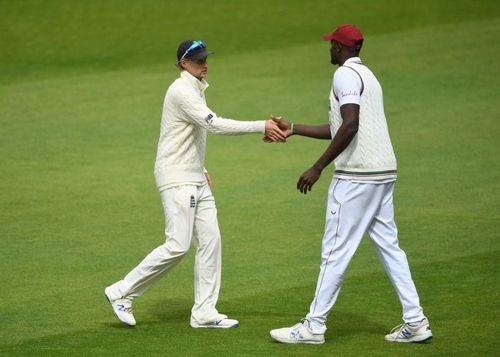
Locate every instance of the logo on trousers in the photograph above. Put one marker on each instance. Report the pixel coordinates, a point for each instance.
(193, 202)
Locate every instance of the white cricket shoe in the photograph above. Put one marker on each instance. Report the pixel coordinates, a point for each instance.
(299, 333)
(410, 332)
(122, 308)
(222, 322)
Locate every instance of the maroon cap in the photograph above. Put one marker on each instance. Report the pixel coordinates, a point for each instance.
(346, 34)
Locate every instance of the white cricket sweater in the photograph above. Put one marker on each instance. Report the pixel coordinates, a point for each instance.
(185, 120)
(369, 156)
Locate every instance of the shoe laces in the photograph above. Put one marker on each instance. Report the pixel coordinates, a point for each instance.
(404, 330)
(407, 325)
(398, 328)
(300, 324)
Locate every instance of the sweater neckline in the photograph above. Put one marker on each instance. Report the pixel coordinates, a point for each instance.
(195, 82)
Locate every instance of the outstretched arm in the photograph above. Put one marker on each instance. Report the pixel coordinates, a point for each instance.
(346, 132)
(311, 131)
(197, 112)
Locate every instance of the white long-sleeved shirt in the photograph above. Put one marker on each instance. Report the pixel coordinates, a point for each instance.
(185, 120)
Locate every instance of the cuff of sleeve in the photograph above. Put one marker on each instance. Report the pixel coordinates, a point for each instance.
(260, 125)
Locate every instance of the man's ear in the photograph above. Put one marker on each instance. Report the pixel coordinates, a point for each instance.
(339, 47)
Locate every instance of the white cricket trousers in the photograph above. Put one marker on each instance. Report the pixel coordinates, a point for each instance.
(353, 209)
(190, 216)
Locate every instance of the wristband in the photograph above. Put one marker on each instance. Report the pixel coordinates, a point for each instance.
(291, 130)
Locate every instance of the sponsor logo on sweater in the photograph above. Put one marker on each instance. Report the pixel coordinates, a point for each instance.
(209, 119)
(349, 93)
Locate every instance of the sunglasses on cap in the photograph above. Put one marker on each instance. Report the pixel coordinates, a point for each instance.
(196, 45)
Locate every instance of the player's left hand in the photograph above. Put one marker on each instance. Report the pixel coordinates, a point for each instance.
(308, 179)
(209, 179)
(273, 133)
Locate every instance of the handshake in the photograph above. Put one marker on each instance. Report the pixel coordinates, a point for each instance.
(277, 130)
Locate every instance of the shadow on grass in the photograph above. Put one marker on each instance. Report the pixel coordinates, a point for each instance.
(165, 310)
(263, 312)
(163, 323)
(163, 326)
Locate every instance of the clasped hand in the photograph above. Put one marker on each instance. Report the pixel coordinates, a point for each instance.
(277, 124)
(274, 131)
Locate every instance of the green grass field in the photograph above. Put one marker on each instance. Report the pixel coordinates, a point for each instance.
(81, 90)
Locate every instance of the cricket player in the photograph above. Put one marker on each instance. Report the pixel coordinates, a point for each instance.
(360, 197)
(184, 185)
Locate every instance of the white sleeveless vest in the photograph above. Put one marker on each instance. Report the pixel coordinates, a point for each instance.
(369, 156)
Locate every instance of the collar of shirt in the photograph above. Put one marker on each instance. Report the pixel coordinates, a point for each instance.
(353, 60)
(195, 82)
